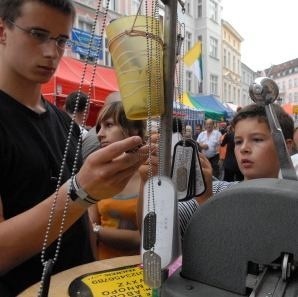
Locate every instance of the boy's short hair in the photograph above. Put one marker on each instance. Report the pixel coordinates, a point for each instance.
(115, 111)
(258, 111)
(70, 102)
(11, 9)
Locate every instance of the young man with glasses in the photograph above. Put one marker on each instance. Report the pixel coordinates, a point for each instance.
(34, 137)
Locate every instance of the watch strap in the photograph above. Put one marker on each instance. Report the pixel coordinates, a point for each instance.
(78, 194)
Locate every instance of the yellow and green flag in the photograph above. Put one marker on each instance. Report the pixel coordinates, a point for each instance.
(193, 60)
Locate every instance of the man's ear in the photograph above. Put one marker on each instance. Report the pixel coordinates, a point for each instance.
(290, 145)
(2, 31)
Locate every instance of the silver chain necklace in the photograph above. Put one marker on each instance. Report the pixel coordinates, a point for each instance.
(49, 263)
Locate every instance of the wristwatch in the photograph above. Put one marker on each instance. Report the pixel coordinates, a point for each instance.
(78, 194)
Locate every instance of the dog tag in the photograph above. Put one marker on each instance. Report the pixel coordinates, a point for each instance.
(47, 278)
(149, 234)
(181, 179)
(152, 269)
(163, 196)
(181, 168)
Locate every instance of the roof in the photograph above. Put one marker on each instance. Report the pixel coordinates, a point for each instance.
(69, 76)
(212, 107)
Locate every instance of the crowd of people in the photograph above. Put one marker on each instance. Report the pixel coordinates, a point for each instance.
(75, 204)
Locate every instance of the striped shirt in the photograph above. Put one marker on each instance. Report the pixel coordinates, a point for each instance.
(186, 209)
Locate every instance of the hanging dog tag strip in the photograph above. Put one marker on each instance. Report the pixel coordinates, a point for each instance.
(152, 269)
(149, 234)
(186, 170)
(200, 184)
(46, 278)
(165, 210)
(181, 167)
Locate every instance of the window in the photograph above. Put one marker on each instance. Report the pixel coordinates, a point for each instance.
(229, 60)
(234, 64)
(113, 5)
(295, 82)
(225, 58)
(290, 97)
(213, 11)
(213, 47)
(187, 7)
(107, 55)
(290, 84)
(135, 6)
(188, 38)
(85, 26)
(229, 92)
(296, 97)
(214, 84)
(199, 9)
(225, 91)
(188, 78)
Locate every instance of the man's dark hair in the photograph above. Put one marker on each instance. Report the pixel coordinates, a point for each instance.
(70, 102)
(258, 111)
(12, 9)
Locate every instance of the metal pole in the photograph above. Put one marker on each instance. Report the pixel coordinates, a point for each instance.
(170, 25)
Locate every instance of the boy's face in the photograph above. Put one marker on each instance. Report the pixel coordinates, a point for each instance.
(25, 57)
(255, 150)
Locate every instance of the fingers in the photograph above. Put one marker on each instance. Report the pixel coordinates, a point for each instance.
(115, 149)
(106, 171)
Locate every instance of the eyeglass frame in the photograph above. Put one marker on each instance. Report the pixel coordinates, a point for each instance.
(43, 36)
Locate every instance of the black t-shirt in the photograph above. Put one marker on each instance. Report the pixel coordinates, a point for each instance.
(31, 153)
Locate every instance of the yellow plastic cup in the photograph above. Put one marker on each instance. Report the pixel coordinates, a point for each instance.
(136, 47)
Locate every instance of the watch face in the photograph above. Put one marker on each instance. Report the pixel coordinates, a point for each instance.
(96, 227)
(82, 194)
(72, 191)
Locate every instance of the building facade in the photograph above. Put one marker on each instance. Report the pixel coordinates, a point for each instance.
(286, 77)
(231, 64)
(247, 78)
(202, 19)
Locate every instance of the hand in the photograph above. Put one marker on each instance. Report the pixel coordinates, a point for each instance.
(207, 172)
(204, 146)
(107, 171)
(153, 162)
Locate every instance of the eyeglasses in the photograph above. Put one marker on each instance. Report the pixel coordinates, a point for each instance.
(42, 36)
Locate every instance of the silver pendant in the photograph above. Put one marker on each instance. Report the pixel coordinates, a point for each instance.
(152, 269)
(181, 179)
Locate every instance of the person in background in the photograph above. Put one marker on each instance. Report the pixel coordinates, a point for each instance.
(33, 133)
(230, 165)
(90, 142)
(209, 141)
(295, 139)
(198, 130)
(188, 132)
(114, 219)
(222, 150)
(81, 113)
(177, 132)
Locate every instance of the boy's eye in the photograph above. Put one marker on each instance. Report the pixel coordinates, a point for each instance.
(40, 35)
(257, 139)
(238, 142)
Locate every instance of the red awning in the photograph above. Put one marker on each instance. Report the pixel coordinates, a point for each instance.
(68, 77)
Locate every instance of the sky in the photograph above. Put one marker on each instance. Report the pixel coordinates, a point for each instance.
(269, 29)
